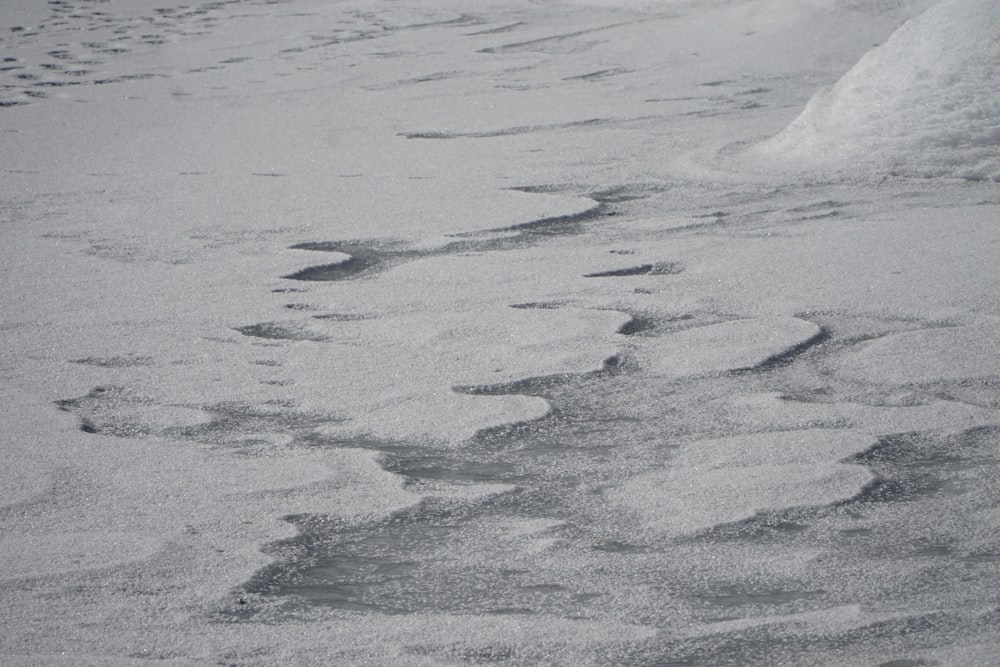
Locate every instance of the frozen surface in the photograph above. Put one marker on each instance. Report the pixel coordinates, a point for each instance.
(576, 333)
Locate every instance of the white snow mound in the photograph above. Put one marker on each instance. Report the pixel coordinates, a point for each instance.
(925, 103)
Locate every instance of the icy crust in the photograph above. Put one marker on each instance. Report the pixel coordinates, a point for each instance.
(925, 103)
(710, 483)
(727, 346)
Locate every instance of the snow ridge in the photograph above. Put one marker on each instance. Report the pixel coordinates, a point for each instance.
(926, 103)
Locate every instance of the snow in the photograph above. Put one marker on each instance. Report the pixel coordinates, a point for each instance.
(730, 346)
(525, 333)
(920, 357)
(712, 483)
(925, 103)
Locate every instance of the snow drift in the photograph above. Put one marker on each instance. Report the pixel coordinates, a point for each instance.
(925, 103)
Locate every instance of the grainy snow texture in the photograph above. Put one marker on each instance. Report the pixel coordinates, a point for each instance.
(423, 332)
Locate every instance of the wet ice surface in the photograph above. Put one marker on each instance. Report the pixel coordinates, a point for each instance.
(408, 335)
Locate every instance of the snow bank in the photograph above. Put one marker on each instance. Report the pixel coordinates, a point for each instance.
(925, 103)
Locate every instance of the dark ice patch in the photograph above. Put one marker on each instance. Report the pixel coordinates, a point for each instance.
(122, 361)
(657, 269)
(280, 331)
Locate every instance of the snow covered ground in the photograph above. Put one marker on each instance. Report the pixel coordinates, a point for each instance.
(570, 332)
